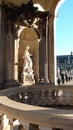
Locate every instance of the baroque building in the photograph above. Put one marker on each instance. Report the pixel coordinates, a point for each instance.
(65, 62)
(43, 105)
(64, 68)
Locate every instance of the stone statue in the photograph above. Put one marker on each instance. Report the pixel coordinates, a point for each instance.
(27, 65)
(27, 73)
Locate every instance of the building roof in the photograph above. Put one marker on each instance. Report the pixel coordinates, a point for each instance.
(65, 56)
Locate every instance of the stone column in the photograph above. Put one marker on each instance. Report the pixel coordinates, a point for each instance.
(44, 30)
(0, 49)
(9, 55)
(9, 51)
(41, 54)
(16, 46)
(2, 45)
(46, 53)
(51, 53)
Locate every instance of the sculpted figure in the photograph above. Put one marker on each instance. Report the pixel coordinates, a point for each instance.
(27, 65)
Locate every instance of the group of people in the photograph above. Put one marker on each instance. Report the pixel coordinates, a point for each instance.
(64, 76)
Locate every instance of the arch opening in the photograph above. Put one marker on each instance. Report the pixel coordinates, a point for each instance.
(63, 35)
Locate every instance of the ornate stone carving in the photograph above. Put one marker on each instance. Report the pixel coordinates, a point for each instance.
(25, 15)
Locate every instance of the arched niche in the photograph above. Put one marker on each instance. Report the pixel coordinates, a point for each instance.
(29, 37)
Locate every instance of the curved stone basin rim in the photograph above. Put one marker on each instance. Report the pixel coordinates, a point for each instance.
(33, 114)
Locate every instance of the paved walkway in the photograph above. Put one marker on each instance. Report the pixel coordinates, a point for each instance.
(69, 83)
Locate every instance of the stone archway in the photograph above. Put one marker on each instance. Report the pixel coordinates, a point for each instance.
(56, 11)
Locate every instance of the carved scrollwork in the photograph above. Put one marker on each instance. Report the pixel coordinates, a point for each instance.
(25, 14)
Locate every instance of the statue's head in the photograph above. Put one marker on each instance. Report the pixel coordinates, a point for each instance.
(27, 47)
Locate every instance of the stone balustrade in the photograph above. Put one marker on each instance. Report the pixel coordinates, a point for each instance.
(44, 95)
(21, 108)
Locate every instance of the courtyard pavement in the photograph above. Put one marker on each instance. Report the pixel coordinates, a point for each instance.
(69, 82)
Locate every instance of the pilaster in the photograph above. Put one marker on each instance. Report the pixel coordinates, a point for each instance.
(16, 46)
(51, 52)
(2, 45)
(41, 54)
(0, 49)
(44, 44)
(10, 54)
(46, 52)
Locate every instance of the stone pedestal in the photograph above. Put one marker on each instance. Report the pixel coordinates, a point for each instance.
(27, 78)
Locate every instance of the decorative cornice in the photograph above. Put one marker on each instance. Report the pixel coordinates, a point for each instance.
(25, 15)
